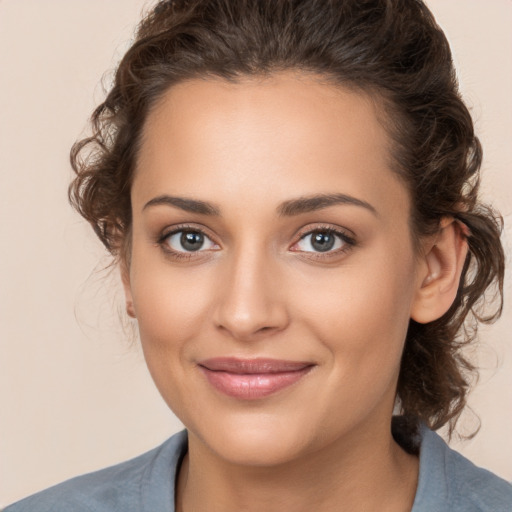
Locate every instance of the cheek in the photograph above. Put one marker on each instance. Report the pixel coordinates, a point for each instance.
(170, 309)
(361, 311)
(171, 305)
(164, 308)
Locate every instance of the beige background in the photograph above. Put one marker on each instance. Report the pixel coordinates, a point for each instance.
(74, 393)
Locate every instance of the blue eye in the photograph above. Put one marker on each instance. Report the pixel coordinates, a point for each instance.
(323, 240)
(188, 241)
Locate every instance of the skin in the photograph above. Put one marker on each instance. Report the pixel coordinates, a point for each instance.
(258, 288)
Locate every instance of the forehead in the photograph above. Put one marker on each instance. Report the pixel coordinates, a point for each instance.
(287, 135)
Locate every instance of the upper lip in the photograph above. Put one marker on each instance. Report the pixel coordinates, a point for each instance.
(253, 366)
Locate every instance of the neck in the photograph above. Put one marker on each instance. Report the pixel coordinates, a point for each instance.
(368, 473)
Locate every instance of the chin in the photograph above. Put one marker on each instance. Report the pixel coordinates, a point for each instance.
(255, 441)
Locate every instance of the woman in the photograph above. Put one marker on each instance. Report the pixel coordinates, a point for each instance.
(290, 191)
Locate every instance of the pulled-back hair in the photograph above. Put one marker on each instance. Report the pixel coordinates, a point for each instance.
(390, 49)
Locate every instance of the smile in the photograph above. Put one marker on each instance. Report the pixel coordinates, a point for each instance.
(252, 379)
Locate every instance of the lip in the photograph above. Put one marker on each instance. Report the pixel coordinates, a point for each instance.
(252, 379)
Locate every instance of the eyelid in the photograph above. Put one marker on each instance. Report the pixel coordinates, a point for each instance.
(172, 230)
(344, 233)
(349, 240)
(347, 236)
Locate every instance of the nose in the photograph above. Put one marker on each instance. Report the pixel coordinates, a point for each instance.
(250, 301)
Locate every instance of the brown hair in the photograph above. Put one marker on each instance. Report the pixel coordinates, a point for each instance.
(392, 49)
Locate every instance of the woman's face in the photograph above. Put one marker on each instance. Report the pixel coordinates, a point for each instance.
(272, 270)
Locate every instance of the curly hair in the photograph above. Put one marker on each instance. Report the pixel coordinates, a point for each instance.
(391, 49)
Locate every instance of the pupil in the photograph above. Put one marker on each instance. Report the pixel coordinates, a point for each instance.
(192, 241)
(323, 241)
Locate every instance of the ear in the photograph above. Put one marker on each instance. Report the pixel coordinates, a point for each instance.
(125, 278)
(439, 276)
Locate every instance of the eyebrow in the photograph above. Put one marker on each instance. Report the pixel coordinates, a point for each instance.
(318, 202)
(289, 208)
(186, 204)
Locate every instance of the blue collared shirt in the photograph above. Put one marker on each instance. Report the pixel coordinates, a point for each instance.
(447, 482)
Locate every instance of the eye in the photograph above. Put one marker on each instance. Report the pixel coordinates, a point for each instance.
(188, 240)
(324, 241)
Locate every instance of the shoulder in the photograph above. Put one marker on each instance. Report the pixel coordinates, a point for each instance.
(448, 481)
(476, 487)
(143, 483)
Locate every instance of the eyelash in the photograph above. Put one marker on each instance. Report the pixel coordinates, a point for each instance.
(348, 242)
(180, 255)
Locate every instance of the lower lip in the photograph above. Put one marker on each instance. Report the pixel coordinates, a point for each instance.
(252, 386)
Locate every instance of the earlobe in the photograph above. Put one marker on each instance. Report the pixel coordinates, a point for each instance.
(125, 278)
(440, 275)
(130, 309)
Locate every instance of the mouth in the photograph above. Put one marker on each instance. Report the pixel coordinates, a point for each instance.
(252, 379)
